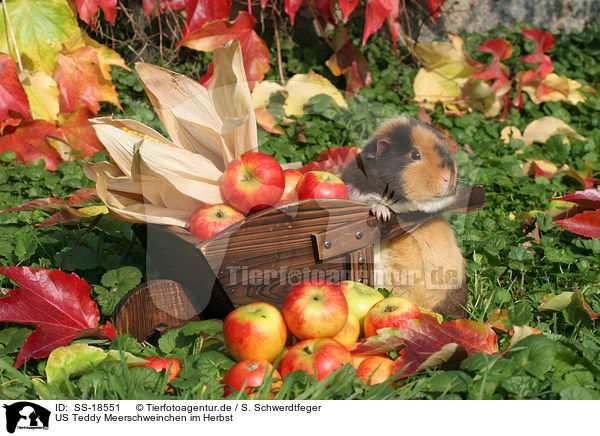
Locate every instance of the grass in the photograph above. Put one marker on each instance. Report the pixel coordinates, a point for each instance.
(502, 273)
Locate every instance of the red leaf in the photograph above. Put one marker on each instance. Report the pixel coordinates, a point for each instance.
(109, 329)
(332, 160)
(350, 61)
(589, 198)
(78, 198)
(218, 32)
(57, 303)
(500, 49)
(200, 12)
(376, 13)
(435, 7)
(325, 7)
(79, 133)
(544, 41)
(586, 224)
(256, 57)
(88, 9)
(28, 141)
(291, 7)
(12, 94)
(163, 6)
(81, 82)
(423, 337)
(347, 6)
(205, 80)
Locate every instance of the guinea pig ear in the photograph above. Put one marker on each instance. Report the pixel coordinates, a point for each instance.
(377, 148)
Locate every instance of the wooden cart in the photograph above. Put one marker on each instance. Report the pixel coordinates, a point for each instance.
(262, 257)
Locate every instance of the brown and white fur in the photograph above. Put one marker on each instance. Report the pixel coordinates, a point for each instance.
(406, 167)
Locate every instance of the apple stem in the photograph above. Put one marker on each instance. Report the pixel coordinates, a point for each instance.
(307, 350)
(220, 214)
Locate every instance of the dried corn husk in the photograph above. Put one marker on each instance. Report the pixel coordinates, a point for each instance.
(156, 180)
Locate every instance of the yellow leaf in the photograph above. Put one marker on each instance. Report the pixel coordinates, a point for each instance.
(302, 87)
(564, 89)
(446, 58)
(41, 27)
(93, 210)
(431, 88)
(510, 132)
(42, 92)
(542, 129)
(263, 91)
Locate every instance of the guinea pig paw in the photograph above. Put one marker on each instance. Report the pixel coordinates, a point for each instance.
(382, 212)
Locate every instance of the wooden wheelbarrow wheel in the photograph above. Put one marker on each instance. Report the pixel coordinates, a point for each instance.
(151, 308)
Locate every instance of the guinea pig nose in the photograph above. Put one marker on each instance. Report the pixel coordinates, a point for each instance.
(446, 180)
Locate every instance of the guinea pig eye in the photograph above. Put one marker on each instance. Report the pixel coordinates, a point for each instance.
(415, 155)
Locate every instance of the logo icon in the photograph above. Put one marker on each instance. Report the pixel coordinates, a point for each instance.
(26, 415)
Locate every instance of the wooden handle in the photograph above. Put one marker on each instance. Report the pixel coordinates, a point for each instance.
(354, 236)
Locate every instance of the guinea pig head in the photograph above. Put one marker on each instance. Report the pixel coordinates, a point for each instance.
(413, 160)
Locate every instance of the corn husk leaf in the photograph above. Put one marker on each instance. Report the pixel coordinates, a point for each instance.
(161, 181)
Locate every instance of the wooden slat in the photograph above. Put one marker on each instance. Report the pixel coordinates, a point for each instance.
(342, 239)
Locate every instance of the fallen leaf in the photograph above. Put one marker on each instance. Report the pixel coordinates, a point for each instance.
(256, 58)
(267, 121)
(12, 95)
(81, 82)
(497, 319)
(542, 129)
(56, 303)
(302, 87)
(586, 224)
(520, 333)
(77, 359)
(557, 88)
(562, 301)
(544, 41)
(71, 216)
(78, 198)
(78, 133)
(500, 49)
(589, 198)
(30, 142)
(434, 7)
(424, 338)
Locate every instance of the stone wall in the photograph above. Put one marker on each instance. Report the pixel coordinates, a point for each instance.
(482, 15)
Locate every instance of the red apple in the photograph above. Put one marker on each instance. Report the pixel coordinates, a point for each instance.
(350, 332)
(389, 312)
(210, 219)
(315, 308)
(253, 181)
(375, 369)
(320, 184)
(255, 331)
(321, 356)
(252, 372)
(360, 298)
(291, 180)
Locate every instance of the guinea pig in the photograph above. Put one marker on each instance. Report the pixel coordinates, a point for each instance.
(405, 167)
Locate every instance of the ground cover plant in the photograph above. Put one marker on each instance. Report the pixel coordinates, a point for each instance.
(526, 273)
